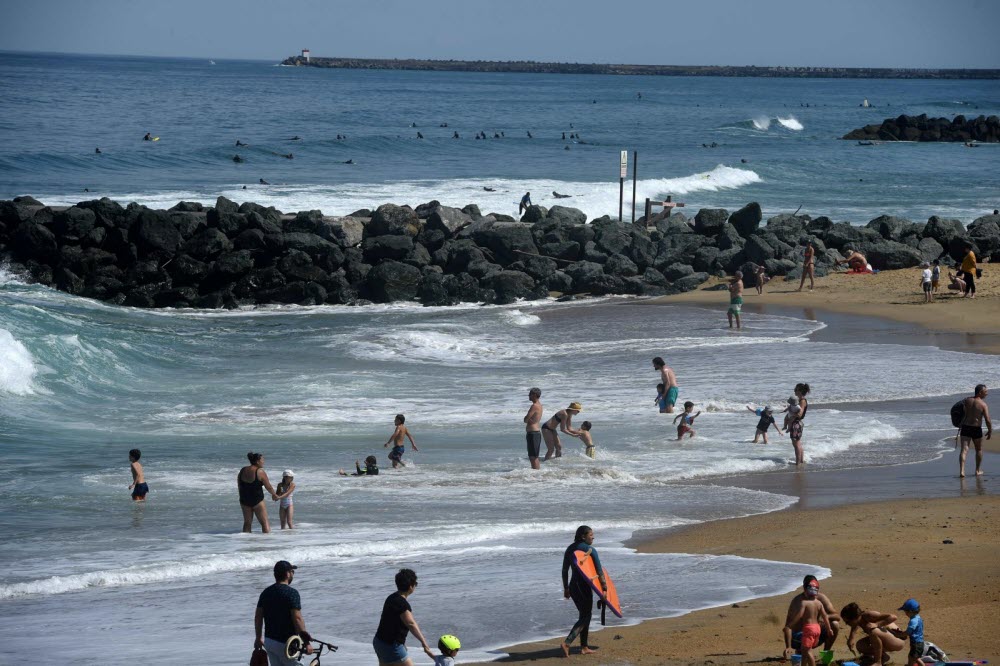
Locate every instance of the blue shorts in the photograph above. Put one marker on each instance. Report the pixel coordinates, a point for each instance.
(140, 491)
(397, 453)
(389, 653)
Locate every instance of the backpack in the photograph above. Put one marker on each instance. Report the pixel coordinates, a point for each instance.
(958, 413)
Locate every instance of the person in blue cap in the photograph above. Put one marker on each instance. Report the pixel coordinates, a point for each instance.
(914, 631)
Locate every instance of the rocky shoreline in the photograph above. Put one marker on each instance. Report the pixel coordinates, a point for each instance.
(922, 128)
(232, 255)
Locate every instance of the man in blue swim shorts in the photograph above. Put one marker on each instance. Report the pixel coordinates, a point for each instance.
(670, 381)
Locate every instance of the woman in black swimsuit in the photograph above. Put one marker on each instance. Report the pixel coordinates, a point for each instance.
(563, 421)
(251, 482)
(795, 427)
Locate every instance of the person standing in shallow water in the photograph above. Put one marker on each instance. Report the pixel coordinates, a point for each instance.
(532, 427)
(669, 380)
(578, 588)
(735, 299)
(251, 482)
(971, 430)
(796, 426)
(561, 420)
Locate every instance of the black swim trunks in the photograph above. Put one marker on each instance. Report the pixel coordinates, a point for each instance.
(534, 440)
(140, 491)
(916, 650)
(972, 432)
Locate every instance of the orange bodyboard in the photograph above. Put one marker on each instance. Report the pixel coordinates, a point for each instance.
(585, 565)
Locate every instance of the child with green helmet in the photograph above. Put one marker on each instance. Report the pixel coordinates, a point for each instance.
(449, 646)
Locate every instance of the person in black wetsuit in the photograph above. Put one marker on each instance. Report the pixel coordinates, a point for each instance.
(251, 482)
(578, 588)
(370, 469)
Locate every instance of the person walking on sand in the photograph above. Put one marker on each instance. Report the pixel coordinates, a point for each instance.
(878, 639)
(735, 299)
(578, 588)
(396, 622)
(396, 439)
(808, 266)
(810, 618)
(251, 482)
(279, 617)
(532, 427)
(827, 637)
(969, 272)
(563, 421)
(138, 486)
(669, 380)
(971, 430)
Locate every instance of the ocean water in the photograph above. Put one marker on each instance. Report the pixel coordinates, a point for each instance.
(316, 388)
(102, 580)
(55, 109)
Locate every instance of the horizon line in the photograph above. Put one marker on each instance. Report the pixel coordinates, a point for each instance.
(279, 60)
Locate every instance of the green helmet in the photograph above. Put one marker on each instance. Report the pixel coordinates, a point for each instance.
(449, 642)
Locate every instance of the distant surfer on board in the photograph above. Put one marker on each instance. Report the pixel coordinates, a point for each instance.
(148, 137)
(578, 589)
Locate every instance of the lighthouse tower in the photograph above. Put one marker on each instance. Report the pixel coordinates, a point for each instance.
(305, 54)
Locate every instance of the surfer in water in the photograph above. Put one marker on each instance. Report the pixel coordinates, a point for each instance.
(578, 589)
(148, 137)
(561, 196)
(263, 182)
(525, 203)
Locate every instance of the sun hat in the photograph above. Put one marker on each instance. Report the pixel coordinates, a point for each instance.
(576, 406)
(288, 473)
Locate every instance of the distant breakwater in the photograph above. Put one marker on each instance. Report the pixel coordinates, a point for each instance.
(532, 67)
(922, 128)
(232, 255)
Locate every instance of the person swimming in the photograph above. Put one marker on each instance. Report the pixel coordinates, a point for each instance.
(561, 196)
(97, 151)
(419, 135)
(455, 136)
(238, 159)
(488, 189)
(349, 162)
(262, 182)
(148, 137)
(239, 143)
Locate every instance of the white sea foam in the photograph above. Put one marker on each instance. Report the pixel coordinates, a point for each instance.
(761, 122)
(594, 199)
(790, 123)
(519, 318)
(17, 367)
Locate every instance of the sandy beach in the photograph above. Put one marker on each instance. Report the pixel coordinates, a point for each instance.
(918, 532)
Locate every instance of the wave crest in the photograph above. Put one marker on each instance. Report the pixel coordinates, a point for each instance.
(17, 367)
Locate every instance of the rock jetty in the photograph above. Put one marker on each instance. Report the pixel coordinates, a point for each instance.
(233, 255)
(922, 128)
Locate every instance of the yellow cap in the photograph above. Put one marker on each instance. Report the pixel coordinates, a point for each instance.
(576, 406)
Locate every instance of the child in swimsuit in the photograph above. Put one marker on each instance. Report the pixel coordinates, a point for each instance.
(396, 439)
(661, 397)
(766, 421)
(139, 488)
(584, 436)
(686, 421)
(791, 412)
(283, 493)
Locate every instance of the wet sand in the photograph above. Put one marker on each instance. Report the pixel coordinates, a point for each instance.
(881, 531)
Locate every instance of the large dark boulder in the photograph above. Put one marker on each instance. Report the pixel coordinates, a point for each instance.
(306, 221)
(265, 224)
(943, 230)
(620, 266)
(313, 245)
(463, 288)
(418, 256)
(889, 227)
(455, 256)
(705, 257)
(759, 250)
(68, 281)
(392, 281)
(534, 214)
(729, 237)
(390, 219)
(539, 267)
(208, 245)
(654, 277)
(250, 286)
(250, 239)
(787, 228)
(674, 224)
(510, 286)
(584, 273)
(377, 248)
(185, 270)
(155, 233)
(34, 241)
(642, 250)
(108, 213)
(690, 282)
(423, 211)
(819, 225)
(592, 253)
(339, 291)
(985, 233)
(472, 210)
(884, 254)
(729, 261)
(709, 221)
(188, 207)
(448, 220)
(559, 282)
(845, 234)
(228, 268)
(73, 223)
(678, 248)
(507, 241)
(432, 291)
(297, 266)
(747, 219)
(612, 236)
(565, 215)
(231, 224)
(929, 249)
(677, 271)
(563, 250)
